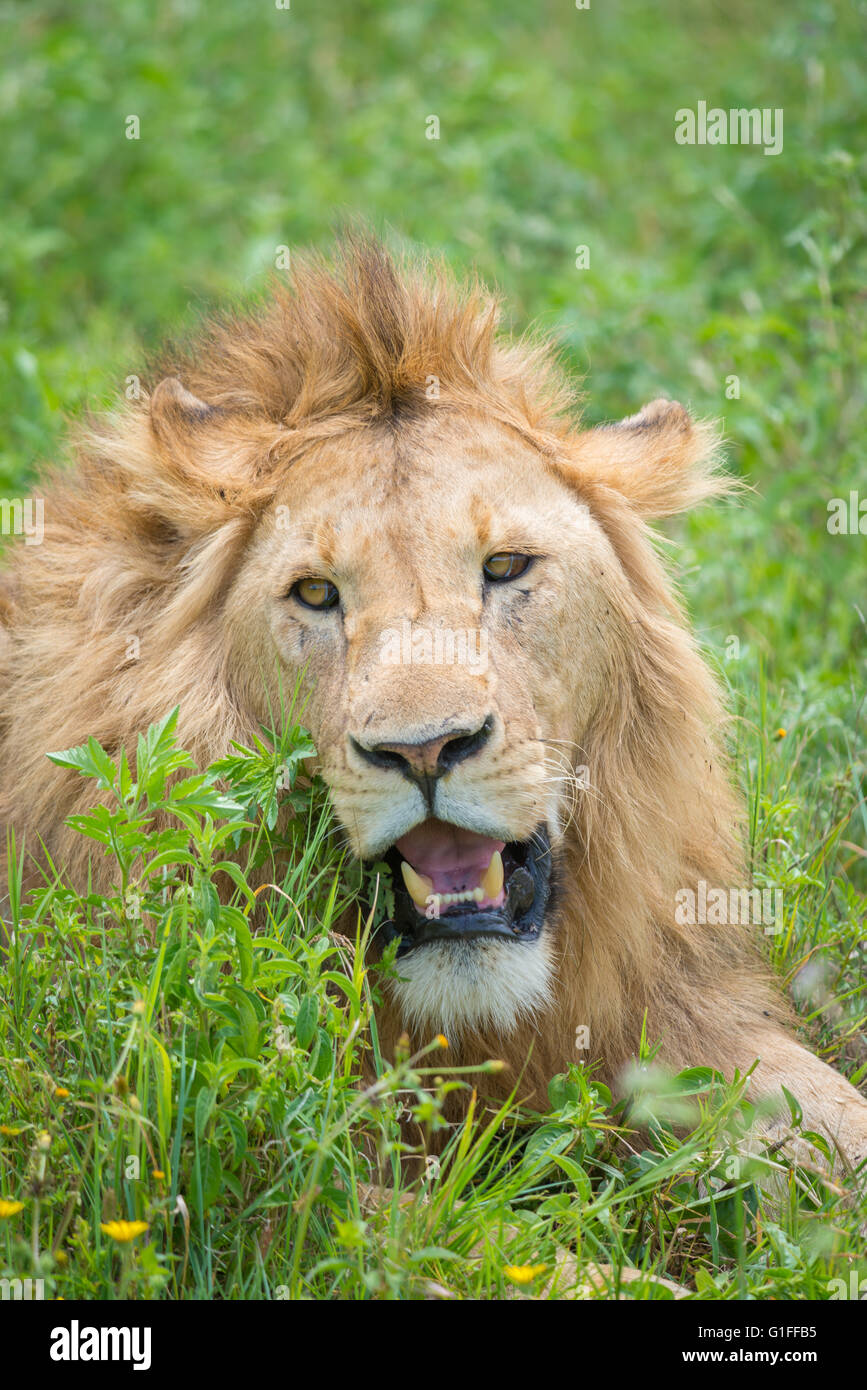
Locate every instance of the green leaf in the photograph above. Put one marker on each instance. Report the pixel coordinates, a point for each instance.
(211, 1171)
(232, 917)
(794, 1106)
(248, 1026)
(545, 1145)
(89, 759)
(563, 1091)
(163, 1072)
(322, 1060)
(236, 874)
(238, 1131)
(576, 1175)
(205, 1102)
(206, 900)
(306, 1019)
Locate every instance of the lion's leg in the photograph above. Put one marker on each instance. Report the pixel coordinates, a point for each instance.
(830, 1105)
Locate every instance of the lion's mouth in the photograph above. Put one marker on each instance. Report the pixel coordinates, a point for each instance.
(451, 883)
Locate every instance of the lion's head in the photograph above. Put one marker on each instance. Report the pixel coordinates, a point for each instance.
(362, 482)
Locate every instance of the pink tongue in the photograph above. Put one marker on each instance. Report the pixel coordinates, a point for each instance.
(454, 859)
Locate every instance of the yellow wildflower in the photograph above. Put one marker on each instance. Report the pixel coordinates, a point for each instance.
(523, 1274)
(123, 1231)
(8, 1208)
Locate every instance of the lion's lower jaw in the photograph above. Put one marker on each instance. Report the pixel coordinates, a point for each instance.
(454, 987)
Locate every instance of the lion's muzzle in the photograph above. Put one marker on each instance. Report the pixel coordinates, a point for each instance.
(453, 884)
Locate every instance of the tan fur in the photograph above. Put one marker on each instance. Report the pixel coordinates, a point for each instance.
(370, 426)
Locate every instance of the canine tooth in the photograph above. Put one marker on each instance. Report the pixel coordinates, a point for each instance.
(492, 879)
(419, 886)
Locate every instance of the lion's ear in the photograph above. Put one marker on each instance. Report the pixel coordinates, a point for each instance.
(202, 464)
(207, 447)
(176, 411)
(661, 459)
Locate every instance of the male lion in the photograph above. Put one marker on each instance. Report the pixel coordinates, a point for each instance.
(363, 481)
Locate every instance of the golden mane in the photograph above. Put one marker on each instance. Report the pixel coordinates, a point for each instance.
(361, 338)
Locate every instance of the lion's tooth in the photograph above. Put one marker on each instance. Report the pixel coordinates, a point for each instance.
(492, 878)
(419, 886)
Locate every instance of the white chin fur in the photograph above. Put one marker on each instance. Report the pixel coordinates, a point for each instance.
(453, 986)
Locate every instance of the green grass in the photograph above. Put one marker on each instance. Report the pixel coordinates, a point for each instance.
(228, 1061)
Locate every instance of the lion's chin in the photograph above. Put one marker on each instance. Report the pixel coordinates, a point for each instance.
(470, 963)
(456, 986)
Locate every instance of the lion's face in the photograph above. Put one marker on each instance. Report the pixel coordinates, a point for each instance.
(459, 614)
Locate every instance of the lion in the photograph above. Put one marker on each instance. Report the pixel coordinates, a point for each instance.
(363, 483)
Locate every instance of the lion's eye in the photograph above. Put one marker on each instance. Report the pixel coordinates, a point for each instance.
(315, 593)
(505, 565)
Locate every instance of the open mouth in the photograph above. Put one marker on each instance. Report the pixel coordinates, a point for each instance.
(453, 884)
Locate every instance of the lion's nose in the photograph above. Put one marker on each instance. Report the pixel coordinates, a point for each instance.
(427, 759)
